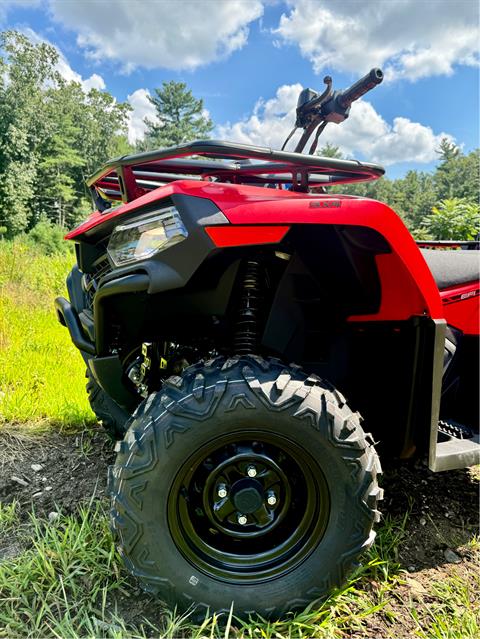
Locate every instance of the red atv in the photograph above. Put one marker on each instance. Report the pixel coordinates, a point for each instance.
(225, 304)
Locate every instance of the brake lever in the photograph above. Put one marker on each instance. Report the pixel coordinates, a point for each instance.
(310, 118)
(325, 95)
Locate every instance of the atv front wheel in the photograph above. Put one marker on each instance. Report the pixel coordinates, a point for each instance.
(244, 481)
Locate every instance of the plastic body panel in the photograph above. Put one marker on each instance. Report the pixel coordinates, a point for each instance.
(415, 290)
(461, 306)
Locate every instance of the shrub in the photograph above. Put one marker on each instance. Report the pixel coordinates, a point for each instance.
(48, 238)
(454, 219)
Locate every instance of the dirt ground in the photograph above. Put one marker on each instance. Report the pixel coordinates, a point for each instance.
(53, 473)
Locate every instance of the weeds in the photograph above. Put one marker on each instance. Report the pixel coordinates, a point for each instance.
(453, 611)
(57, 585)
(8, 516)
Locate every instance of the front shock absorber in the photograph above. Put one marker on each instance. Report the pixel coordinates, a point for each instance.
(247, 326)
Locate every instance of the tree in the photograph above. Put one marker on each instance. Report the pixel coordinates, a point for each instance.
(59, 157)
(458, 175)
(330, 151)
(414, 196)
(455, 219)
(52, 136)
(180, 117)
(85, 130)
(25, 69)
(447, 150)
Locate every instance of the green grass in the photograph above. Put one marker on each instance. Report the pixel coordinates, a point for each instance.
(454, 611)
(64, 584)
(58, 587)
(41, 373)
(8, 517)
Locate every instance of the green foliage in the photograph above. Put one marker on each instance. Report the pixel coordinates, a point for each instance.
(52, 135)
(458, 175)
(27, 67)
(456, 219)
(414, 196)
(330, 151)
(180, 115)
(48, 238)
(42, 375)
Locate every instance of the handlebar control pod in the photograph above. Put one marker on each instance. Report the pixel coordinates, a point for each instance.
(362, 86)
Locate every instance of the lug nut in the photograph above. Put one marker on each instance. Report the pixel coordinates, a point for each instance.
(271, 499)
(222, 492)
(251, 471)
(242, 520)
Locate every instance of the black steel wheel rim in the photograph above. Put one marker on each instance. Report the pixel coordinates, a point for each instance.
(248, 508)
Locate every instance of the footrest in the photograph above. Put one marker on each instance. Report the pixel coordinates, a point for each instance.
(452, 452)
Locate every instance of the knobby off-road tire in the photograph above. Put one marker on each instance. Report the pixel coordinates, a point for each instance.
(111, 415)
(174, 531)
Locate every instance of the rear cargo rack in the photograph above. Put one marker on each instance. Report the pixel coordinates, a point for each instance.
(131, 176)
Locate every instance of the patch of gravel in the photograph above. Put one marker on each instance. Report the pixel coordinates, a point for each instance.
(54, 472)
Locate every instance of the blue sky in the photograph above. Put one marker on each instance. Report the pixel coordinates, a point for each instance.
(248, 59)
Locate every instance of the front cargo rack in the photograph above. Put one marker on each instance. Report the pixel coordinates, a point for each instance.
(128, 177)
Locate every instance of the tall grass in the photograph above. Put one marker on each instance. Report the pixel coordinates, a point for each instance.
(41, 372)
(66, 582)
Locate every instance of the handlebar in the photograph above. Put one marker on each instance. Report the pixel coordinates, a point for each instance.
(314, 110)
(359, 88)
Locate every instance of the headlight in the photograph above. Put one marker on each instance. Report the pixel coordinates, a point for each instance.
(145, 236)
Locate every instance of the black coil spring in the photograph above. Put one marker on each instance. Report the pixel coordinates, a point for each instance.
(246, 334)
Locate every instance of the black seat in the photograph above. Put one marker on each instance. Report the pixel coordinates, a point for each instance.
(451, 268)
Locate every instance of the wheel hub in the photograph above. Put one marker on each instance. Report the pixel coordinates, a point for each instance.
(246, 509)
(247, 496)
(248, 488)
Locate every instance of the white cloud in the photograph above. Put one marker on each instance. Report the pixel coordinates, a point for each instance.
(95, 81)
(169, 34)
(141, 108)
(364, 134)
(412, 38)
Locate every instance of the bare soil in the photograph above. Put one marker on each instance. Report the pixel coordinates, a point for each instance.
(55, 473)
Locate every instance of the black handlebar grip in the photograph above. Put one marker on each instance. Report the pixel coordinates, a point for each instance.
(367, 83)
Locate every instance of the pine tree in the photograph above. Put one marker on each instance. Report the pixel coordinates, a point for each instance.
(458, 175)
(180, 117)
(330, 151)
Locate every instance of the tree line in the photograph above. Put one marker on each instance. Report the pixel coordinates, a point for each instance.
(53, 134)
(438, 205)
